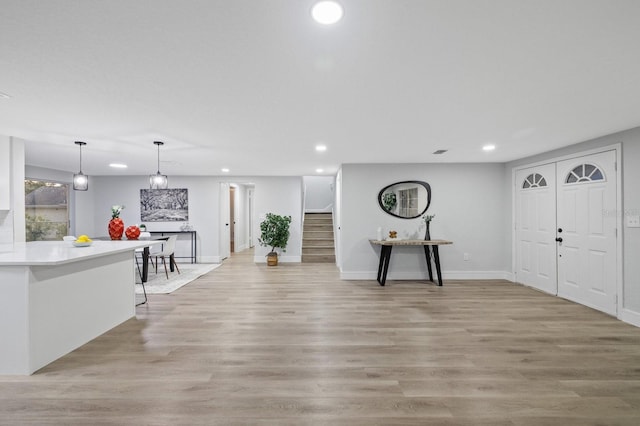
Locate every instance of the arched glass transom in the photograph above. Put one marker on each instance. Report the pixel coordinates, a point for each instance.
(534, 180)
(584, 173)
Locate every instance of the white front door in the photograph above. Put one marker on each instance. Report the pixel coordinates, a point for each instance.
(587, 226)
(536, 227)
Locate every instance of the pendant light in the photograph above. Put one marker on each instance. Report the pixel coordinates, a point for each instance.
(80, 180)
(158, 181)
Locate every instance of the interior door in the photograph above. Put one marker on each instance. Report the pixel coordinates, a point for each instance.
(225, 231)
(587, 231)
(536, 227)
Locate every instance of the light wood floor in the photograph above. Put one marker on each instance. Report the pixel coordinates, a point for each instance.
(294, 345)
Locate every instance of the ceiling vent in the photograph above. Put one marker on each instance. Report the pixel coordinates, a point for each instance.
(440, 151)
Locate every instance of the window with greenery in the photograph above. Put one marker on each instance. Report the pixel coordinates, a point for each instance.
(46, 210)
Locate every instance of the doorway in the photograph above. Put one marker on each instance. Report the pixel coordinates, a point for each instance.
(232, 220)
(566, 239)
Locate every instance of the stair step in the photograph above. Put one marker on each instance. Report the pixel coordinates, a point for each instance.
(317, 234)
(318, 258)
(317, 242)
(318, 250)
(317, 238)
(317, 227)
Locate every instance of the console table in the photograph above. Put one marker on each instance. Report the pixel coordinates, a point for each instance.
(385, 255)
(194, 246)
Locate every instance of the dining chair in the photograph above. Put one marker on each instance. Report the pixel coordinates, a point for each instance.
(167, 250)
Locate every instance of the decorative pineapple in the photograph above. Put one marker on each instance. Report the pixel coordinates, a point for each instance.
(116, 225)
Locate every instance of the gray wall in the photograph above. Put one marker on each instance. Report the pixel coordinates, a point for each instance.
(470, 209)
(281, 195)
(630, 140)
(319, 193)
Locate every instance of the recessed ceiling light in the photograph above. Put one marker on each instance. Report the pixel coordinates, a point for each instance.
(319, 170)
(327, 12)
(4, 96)
(224, 170)
(118, 165)
(321, 148)
(488, 147)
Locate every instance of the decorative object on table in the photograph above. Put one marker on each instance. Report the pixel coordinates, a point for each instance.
(379, 234)
(407, 199)
(275, 234)
(164, 205)
(82, 241)
(116, 225)
(186, 227)
(143, 227)
(427, 220)
(393, 234)
(80, 180)
(132, 232)
(158, 181)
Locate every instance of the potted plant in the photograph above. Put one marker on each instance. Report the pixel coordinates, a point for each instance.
(275, 234)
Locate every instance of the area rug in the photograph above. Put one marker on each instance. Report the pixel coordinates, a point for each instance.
(159, 284)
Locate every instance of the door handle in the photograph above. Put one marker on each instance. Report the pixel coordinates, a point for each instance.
(559, 239)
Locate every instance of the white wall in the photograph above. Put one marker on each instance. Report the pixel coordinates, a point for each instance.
(283, 196)
(319, 192)
(470, 210)
(93, 209)
(12, 220)
(630, 140)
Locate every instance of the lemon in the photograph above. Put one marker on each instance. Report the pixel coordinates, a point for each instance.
(83, 239)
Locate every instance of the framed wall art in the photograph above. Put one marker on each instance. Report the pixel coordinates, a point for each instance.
(164, 205)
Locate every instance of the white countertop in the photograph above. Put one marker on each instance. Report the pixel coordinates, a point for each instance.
(42, 253)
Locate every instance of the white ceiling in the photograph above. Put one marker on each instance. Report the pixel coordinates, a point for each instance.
(255, 85)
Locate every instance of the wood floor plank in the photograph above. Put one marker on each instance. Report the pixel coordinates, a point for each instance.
(248, 344)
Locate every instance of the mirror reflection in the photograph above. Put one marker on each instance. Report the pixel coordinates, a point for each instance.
(407, 200)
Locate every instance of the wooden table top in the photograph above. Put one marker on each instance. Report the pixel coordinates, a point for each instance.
(399, 242)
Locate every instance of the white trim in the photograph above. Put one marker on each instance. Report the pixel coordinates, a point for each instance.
(423, 275)
(629, 316)
(617, 148)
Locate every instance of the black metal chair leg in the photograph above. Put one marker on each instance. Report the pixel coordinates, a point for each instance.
(144, 290)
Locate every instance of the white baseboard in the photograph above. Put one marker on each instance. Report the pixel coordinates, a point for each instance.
(417, 275)
(630, 317)
(281, 259)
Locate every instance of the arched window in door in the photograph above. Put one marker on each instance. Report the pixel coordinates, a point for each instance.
(584, 173)
(534, 180)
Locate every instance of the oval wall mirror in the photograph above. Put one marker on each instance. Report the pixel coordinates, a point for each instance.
(406, 200)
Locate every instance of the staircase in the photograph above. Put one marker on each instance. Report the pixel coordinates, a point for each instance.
(317, 238)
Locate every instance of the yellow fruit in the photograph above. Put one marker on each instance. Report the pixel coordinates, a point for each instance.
(83, 239)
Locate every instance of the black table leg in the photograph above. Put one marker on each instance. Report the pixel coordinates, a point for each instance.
(436, 258)
(383, 267)
(145, 264)
(427, 254)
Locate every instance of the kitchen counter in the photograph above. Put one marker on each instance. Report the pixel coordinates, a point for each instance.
(55, 298)
(41, 253)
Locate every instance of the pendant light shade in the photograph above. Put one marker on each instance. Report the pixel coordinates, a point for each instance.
(80, 180)
(158, 181)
